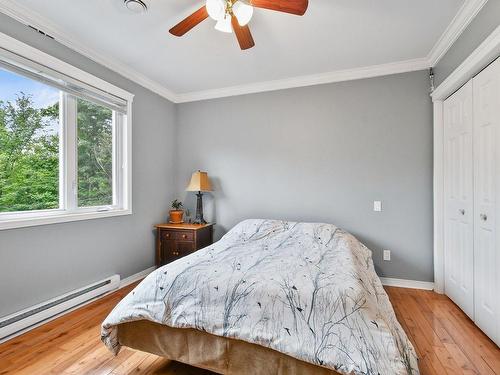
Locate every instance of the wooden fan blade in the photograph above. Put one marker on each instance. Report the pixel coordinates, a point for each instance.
(297, 7)
(189, 22)
(243, 34)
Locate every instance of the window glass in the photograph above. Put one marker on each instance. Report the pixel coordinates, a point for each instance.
(64, 142)
(29, 144)
(95, 154)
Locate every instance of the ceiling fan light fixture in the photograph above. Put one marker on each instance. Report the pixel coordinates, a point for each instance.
(216, 9)
(224, 24)
(136, 6)
(234, 15)
(243, 12)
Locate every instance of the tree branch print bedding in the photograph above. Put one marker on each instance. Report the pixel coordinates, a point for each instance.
(307, 290)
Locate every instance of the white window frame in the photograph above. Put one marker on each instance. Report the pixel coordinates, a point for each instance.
(122, 149)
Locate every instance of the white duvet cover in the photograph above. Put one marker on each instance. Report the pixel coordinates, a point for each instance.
(307, 290)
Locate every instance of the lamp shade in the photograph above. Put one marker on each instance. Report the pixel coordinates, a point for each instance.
(199, 182)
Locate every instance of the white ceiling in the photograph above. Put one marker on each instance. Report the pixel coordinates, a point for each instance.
(333, 35)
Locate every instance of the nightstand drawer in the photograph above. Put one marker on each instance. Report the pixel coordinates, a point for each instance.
(174, 241)
(185, 248)
(184, 236)
(167, 235)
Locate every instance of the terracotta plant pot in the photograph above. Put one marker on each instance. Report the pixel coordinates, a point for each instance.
(176, 216)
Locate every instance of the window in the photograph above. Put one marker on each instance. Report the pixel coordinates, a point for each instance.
(64, 141)
(29, 144)
(95, 154)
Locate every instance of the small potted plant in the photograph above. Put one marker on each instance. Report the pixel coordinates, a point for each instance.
(176, 212)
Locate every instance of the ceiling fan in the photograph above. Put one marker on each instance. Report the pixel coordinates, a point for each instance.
(235, 15)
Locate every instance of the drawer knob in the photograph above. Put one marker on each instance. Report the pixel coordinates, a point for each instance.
(462, 211)
(184, 236)
(167, 235)
(483, 217)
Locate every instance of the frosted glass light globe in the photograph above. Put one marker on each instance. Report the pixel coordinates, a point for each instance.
(243, 12)
(216, 9)
(224, 24)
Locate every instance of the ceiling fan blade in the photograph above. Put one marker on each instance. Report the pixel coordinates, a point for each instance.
(297, 7)
(189, 22)
(243, 34)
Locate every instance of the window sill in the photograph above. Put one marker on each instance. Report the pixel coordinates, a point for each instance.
(59, 217)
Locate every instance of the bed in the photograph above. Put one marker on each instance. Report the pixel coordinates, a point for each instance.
(271, 297)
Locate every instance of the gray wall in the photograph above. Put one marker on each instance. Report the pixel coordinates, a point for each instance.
(487, 20)
(41, 262)
(324, 154)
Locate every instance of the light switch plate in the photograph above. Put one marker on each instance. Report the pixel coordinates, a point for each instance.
(387, 255)
(377, 206)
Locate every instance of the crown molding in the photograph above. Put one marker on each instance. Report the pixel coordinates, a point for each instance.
(462, 19)
(30, 18)
(465, 15)
(308, 80)
(484, 54)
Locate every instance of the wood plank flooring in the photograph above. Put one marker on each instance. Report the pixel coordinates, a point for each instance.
(446, 340)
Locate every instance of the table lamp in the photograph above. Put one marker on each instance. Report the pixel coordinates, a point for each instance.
(200, 183)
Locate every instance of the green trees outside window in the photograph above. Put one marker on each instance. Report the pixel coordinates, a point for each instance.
(95, 154)
(29, 154)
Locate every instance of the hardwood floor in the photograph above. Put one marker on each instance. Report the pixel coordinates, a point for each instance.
(445, 339)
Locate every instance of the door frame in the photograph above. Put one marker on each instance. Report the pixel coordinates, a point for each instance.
(483, 55)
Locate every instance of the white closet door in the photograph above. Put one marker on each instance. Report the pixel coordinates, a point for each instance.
(486, 87)
(459, 200)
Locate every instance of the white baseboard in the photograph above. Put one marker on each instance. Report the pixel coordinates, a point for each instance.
(136, 277)
(403, 283)
(123, 283)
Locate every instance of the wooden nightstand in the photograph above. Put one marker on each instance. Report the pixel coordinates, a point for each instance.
(173, 241)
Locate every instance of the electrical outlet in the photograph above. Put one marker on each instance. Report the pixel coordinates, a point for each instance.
(387, 255)
(377, 206)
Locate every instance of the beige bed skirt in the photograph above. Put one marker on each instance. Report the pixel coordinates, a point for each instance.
(218, 354)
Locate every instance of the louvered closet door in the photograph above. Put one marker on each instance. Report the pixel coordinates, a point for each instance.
(487, 200)
(459, 228)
